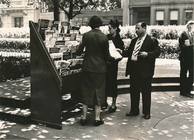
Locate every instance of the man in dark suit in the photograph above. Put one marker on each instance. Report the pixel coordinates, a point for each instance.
(141, 54)
(186, 44)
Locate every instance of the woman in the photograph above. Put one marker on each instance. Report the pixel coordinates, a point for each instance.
(94, 69)
(112, 68)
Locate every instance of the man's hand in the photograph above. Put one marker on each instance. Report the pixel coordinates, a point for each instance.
(143, 54)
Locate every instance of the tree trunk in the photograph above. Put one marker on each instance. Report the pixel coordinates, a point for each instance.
(68, 26)
(56, 10)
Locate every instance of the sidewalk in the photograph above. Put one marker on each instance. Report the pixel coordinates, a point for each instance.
(171, 119)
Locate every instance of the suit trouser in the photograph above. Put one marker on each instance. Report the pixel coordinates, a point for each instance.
(186, 82)
(143, 85)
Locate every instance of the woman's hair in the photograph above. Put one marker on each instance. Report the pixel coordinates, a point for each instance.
(115, 24)
(95, 22)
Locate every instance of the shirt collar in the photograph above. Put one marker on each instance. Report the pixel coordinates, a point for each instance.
(143, 38)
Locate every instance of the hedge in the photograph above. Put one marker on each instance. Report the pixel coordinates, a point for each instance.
(15, 58)
(14, 32)
(12, 68)
(14, 45)
(160, 32)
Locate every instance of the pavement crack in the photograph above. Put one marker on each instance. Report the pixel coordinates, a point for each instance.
(169, 117)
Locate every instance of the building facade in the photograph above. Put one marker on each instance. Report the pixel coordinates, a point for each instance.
(158, 12)
(153, 12)
(106, 16)
(20, 12)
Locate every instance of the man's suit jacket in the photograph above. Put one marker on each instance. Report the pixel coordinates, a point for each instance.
(143, 67)
(96, 51)
(186, 52)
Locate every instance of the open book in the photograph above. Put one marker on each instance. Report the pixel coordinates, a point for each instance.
(113, 51)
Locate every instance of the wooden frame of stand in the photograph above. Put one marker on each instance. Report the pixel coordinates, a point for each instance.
(47, 86)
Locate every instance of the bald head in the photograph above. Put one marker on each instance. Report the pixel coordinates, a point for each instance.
(140, 29)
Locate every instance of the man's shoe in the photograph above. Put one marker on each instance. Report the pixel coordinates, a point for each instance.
(188, 95)
(105, 106)
(147, 117)
(98, 122)
(132, 114)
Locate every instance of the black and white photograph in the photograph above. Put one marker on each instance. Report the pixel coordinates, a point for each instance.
(96, 69)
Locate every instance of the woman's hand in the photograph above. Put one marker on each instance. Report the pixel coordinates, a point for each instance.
(119, 50)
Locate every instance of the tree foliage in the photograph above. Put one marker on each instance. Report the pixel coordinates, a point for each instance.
(74, 7)
(7, 2)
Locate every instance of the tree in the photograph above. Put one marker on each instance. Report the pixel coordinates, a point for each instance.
(7, 2)
(74, 7)
(56, 9)
(107, 5)
(53, 5)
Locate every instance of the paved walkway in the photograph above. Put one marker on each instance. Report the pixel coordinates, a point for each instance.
(171, 119)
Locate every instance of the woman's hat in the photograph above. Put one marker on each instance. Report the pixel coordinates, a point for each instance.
(114, 23)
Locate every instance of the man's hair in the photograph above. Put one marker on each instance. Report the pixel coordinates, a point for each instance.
(143, 25)
(95, 22)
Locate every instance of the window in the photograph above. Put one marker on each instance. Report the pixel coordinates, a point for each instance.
(160, 17)
(17, 2)
(18, 22)
(173, 17)
(188, 15)
(30, 2)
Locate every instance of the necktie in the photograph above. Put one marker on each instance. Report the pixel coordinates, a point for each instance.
(137, 48)
(192, 38)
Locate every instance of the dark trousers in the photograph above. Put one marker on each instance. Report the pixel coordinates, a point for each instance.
(186, 82)
(143, 85)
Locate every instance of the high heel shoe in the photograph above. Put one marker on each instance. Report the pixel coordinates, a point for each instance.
(98, 122)
(105, 106)
(112, 109)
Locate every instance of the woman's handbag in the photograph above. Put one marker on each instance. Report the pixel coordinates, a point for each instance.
(113, 51)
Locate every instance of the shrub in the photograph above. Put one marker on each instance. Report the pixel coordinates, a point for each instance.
(14, 32)
(160, 32)
(10, 44)
(13, 67)
(169, 49)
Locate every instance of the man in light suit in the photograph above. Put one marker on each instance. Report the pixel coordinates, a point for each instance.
(141, 54)
(186, 44)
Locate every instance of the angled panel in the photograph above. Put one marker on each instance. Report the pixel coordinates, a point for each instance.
(45, 83)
